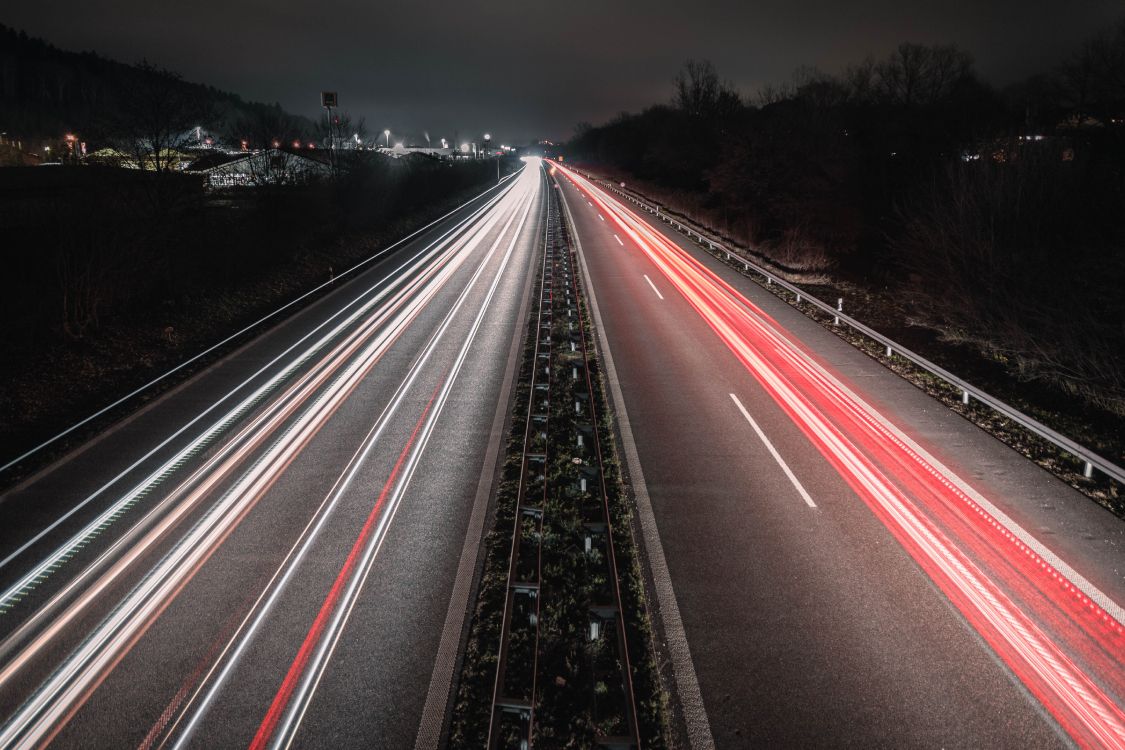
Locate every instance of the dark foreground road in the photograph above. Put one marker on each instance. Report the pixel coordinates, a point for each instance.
(267, 555)
(837, 560)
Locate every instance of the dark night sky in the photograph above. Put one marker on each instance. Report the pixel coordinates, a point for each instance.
(534, 69)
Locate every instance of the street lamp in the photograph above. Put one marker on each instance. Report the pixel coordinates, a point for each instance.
(387, 133)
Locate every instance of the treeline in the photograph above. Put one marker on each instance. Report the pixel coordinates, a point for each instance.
(114, 275)
(998, 212)
(46, 92)
(105, 246)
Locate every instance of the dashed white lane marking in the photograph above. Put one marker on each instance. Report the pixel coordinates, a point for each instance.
(619, 242)
(658, 294)
(773, 452)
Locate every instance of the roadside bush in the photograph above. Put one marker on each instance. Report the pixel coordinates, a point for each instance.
(1023, 260)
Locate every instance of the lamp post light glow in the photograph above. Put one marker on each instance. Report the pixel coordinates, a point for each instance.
(387, 134)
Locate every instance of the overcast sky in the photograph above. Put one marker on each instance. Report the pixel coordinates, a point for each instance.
(532, 68)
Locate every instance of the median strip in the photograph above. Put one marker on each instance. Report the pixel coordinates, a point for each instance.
(560, 643)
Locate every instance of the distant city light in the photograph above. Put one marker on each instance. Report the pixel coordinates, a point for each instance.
(464, 148)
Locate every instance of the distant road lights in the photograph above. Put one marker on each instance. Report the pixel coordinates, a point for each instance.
(296, 144)
(464, 148)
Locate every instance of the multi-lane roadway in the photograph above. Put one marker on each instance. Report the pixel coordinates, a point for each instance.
(279, 552)
(836, 558)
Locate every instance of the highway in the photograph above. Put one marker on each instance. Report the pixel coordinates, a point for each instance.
(279, 552)
(835, 559)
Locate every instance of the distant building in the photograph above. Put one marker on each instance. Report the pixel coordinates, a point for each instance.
(13, 155)
(399, 150)
(273, 166)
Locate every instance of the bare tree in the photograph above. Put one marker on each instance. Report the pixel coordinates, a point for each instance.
(860, 80)
(158, 117)
(772, 93)
(342, 130)
(916, 74)
(700, 93)
(1095, 75)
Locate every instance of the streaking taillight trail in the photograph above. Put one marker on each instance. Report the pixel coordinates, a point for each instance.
(1063, 639)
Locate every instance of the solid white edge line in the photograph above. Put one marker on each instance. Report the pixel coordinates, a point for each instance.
(1099, 597)
(304, 542)
(233, 336)
(658, 294)
(300, 702)
(58, 553)
(773, 452)
(668, 610)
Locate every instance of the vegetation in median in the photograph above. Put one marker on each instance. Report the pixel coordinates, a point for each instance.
(580, 695)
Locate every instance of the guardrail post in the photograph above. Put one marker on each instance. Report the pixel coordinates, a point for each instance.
(839, 308)
(964, 396)
(1088, 470)
(889, 352)
(798, 298)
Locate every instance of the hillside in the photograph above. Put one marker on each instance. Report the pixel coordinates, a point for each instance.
(46, 92)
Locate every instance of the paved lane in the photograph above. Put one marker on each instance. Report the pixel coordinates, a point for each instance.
(280, 571)
(830, 625)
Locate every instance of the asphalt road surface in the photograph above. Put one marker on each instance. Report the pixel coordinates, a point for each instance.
(838, 560)
(266, 556)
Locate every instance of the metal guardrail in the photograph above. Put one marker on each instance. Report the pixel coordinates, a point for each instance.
(1090, 459)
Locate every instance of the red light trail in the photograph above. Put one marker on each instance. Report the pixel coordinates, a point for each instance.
(1050, 630)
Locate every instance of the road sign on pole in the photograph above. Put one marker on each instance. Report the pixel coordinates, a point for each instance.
(328, 99)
